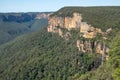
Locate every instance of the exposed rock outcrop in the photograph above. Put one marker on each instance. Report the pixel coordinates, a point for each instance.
(87, 31)
(108, 30)
(65, 22)
(84, 27)
(73, 22)
(92, 47)
(85, 46)
(57, 24)
(102, 48)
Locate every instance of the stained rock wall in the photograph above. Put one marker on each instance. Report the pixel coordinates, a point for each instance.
(65, 22)
(92, 47)
(86, 31)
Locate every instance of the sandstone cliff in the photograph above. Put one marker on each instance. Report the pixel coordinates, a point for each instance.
(93, 47)
(86, 30)
(64, 22)
(57, 24)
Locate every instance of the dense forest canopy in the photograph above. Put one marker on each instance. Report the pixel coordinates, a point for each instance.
(46, 56)
(101, 17)
(16, 24)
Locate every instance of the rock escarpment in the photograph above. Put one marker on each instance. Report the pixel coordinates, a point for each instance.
(64, 22)
(92, 47)
(86, 30)
(57, 24)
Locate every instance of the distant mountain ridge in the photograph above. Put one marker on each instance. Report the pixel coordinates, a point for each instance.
(21, 17)
(15, 24)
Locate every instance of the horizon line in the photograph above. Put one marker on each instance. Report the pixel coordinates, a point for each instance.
(56, 10)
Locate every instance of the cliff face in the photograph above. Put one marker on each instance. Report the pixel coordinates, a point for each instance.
(86, 30)
(64, 22)
(92, 46)
(85, 46)
(57, 24)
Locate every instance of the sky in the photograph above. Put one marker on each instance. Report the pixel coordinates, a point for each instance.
(49, 5)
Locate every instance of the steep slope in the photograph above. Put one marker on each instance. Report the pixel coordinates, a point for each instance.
(100, 17)
(90, 38)
(110, 70)
(4, 37)
(87, 41)
(39, 24)
(15, 24)
(12, 29)
(43, 56)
